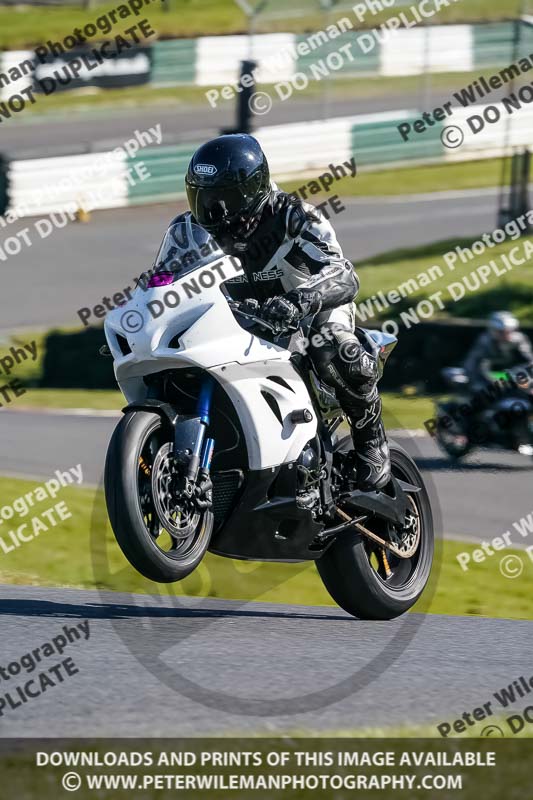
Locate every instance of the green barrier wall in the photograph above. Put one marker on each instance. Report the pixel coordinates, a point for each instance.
(174, 62)
(376, 143)
(167, 167)
(361, 62)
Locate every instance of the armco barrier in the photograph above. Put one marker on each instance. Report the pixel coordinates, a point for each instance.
(167, 167)
(218, 57)
(376, 141)
(431, 48)
(363, 63)
(493, 44)
(293, 150)
(45, 185)
(306, 147)
(214, 60)
(172, 59)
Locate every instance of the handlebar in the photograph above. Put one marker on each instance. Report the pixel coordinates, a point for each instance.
(233, 304)
(258, 321)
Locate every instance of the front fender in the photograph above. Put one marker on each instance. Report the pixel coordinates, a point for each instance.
(182, 428)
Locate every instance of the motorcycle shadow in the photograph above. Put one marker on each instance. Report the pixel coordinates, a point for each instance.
(109, 611)
(470, 464)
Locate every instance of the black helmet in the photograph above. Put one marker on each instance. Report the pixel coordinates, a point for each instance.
(228, 184)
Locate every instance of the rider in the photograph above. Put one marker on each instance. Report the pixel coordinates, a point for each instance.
(293, 267)
(501, 347)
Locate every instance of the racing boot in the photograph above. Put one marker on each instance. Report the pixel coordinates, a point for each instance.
(372, 457)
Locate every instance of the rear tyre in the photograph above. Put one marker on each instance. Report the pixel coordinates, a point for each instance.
(356, 575)
(164, 541)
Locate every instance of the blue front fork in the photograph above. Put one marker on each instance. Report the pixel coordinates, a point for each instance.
(203, 448)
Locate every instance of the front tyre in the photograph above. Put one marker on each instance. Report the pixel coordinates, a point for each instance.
(361, 580)
(163, 539)
(450, 435)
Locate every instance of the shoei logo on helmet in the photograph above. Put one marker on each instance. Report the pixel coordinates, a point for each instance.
(205, 169)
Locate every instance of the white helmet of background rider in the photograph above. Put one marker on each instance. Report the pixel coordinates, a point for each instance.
(502, 325)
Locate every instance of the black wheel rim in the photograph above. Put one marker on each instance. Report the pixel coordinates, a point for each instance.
(173, 528)
(392, 570)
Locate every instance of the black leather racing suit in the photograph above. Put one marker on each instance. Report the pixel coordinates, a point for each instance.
(294, 252)
(493, 354)
(489, 353)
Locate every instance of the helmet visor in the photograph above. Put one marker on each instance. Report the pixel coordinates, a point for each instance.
(214, 206)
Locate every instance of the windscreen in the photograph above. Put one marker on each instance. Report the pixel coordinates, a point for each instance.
(186, 246)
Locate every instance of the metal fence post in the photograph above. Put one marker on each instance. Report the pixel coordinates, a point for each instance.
(4, 184)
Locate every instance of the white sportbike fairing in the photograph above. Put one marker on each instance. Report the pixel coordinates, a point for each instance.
(189, 323)
(230, 443)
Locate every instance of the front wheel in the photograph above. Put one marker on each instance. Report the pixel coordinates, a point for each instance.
(162, 538)
(451, 436)
(370, 582)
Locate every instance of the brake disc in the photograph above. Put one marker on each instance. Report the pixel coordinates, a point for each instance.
(408, 539)
(179, 517)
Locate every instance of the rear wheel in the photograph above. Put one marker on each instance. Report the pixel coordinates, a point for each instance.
(162, 537)
(370, 582)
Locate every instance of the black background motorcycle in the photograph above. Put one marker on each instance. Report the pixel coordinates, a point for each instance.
(496, 416)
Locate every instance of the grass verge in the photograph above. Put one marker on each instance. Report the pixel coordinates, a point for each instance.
(96, 399)
(339, 88)
(24, 26)
(407, 180)
(418, 180)
(508, 777)
(509, 289)
(68, 554)
(400, 411)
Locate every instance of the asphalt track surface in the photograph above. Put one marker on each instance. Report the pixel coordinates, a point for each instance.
(33, 135)
(170, 667)
(76, 266)
(478, 499)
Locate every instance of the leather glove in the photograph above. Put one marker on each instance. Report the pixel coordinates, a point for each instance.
(281, 313)
(306, 301)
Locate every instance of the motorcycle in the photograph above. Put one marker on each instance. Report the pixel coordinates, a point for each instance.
(500, 416)
(231, 444)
